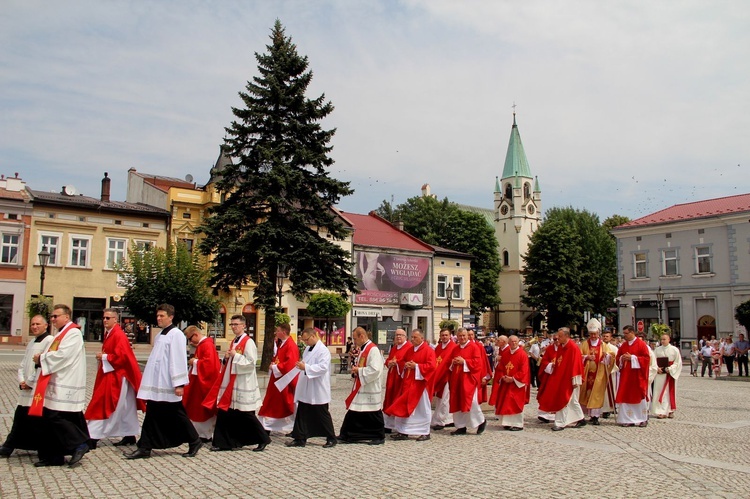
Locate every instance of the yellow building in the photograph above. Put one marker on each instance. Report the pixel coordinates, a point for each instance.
(452, 279)
(86, 237)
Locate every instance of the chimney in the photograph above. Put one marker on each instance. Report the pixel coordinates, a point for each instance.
(400, 224)
(105, 188)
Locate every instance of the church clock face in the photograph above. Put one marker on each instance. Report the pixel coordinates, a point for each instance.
(504, 209)
(531, 209)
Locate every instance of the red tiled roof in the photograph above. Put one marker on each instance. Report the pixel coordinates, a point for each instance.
(371, 230)
(697, 209)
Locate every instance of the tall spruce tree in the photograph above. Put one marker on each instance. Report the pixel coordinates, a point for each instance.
(279, 197)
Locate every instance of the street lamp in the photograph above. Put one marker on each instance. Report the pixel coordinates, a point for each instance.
(43, 261)
(449, 297)
(660, 301)
(280, 277)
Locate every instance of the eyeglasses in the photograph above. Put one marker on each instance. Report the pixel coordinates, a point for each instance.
(107, 318)
(236, 324)
(54, 316)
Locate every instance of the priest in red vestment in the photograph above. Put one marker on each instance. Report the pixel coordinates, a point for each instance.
(203, 369)
(549, 356)
(633, 359)
(465, 381)
(412, 407)
(563, 385)
(395, 365)
(112, 411)
(486, 374)
(444, 352)
(509, 394)
(277, 411)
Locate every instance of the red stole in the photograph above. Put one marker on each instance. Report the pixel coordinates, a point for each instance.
(669, 383)
(226, 398)
(361, 362)
(37, 402)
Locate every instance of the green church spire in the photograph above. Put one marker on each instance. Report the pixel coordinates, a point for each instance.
(515, 159)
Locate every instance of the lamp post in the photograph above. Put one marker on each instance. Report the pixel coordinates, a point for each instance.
(280, 277)
(660, 302)
(449, 297)
(43, 261)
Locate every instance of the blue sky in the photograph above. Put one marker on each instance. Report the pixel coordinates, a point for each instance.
(623, 107)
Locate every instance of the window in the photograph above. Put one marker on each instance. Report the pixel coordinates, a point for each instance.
(115, 252)
(442, 283)
(670, 262)
(6, 313)
(186, 215)
(640, 265)
(9, 249)
(144, 245)
(188, 244)
(52, 242)
(703, 259)
(12, 216)
(79, 251)
(506, 258)
(458, 284)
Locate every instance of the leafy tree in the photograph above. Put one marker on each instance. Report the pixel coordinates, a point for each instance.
(328, 306)
(279, 195)
(167, 275)
(742, 314)
(553, 273)
(444, 224)
(613, 221)
(39, 305)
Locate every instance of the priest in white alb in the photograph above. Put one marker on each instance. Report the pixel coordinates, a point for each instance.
(669, 365)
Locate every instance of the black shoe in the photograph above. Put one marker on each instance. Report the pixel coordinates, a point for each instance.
(642, 425)
(376, 441)
(260, 447)
(450, 425)
(289, 435)
(506, 427)
(388, 430)
(482, 427)
(139, 454)
(579, 424)
(399, 436)
(125, 441)
(594, 421)
(92, 442)
(423, 438)
(438, 427)
(459, 431)
(193, 449)
(515, 428)
(343, 440)
(296, 443)
(558, 428)
(78, 454)
(5, 451)
(544, 420)
(329, 443)
(204, 440)
(42, 463)
(218, 449)
(606, 415)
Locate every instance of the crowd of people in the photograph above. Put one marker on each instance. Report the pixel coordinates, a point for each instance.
(205, 398)
(715, 355)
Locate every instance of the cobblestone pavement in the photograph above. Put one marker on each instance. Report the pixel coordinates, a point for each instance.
(703, 452)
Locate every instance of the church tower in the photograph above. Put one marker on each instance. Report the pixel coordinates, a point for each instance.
(518, 213)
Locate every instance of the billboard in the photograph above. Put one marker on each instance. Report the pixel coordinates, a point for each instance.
(382, 277)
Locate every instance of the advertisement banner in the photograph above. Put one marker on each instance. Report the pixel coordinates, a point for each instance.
(383, 277)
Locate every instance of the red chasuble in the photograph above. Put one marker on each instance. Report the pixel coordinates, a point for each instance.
(108, 386)
(394, 379)
(559, 385)
(443, 358)
(508, 398)
(463, 384)
(412, 388)
(200, 384)
(550, 354)
(278, 404)
(633, 382)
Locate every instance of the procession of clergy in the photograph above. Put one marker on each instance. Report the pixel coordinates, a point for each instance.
(207, 399)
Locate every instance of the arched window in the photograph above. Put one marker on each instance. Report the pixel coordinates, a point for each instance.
(508, 191)
(526, 190)
(506, 258)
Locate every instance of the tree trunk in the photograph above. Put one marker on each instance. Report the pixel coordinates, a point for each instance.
(269, 339)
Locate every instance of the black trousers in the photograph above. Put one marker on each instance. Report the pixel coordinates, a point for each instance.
(533, 372)
(729, 362)
(60, 432)
(707, 362)
(166, 425)
(741, 361)
(313, 421)
(235, 429)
